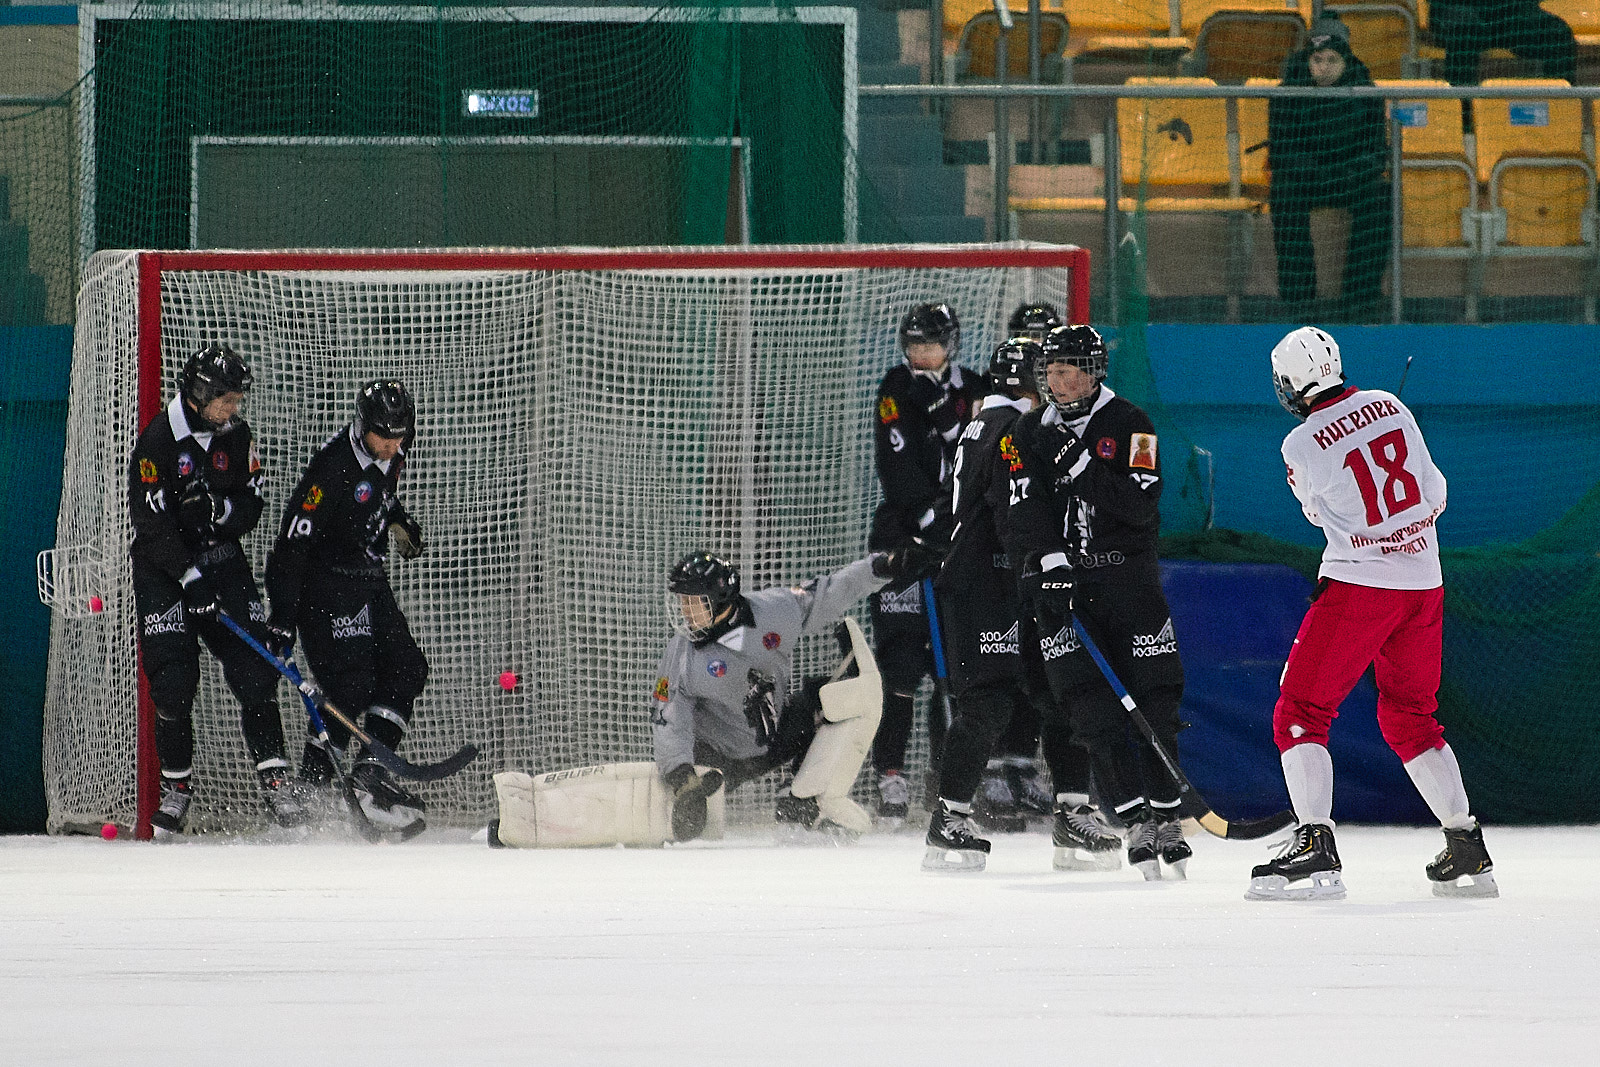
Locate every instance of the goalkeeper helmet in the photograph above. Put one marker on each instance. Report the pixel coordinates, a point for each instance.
(1082, 347)
(703, 595)
(214, 371)
(1305, 364)
(1033, 320)
(384, 407)
(1011, 368)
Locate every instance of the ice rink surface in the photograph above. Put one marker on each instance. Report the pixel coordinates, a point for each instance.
(443, 951)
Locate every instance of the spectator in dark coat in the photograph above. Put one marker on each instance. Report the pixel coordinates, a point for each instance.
(1329, 153)
(1467, 28)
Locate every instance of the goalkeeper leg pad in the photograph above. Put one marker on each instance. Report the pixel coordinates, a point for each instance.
(610, 804)
(851, 709)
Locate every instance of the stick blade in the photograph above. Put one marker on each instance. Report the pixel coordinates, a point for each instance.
(421, 772)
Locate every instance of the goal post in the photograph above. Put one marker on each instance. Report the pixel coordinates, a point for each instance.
(585, 416)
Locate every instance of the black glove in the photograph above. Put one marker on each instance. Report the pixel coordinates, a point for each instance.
(940, 404)
(199, 594)
(1050, 591)
(201, 511)
(280, 641)
(1070, 455)
(910, 561)
(761, 706)
(407, 537)
(689, 793)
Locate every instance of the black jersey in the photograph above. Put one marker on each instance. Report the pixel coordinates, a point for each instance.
(337, 521)
(1088, 488)
(172, 461)
(981, 492)
(919, 420)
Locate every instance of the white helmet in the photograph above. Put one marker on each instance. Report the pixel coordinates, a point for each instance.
(1304, 364)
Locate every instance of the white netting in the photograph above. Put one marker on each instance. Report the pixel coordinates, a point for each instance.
(578, 431)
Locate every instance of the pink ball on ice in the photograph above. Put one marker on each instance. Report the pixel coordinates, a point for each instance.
(109, 830)
(508, 680)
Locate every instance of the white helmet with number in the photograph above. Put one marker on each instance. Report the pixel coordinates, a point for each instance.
(1305, 364)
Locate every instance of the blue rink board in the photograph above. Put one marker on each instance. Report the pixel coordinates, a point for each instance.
(1236, 623)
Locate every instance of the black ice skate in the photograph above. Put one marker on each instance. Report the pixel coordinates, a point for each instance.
(995, 807)
(168, 819)
(1143, 846)
(387, 805)
(952, 846)
(894, 799)
(1307, 869)
(1083, 842)
(289, 801)
(1464, 868)
(1172, 848)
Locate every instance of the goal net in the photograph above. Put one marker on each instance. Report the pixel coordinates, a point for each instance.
(585, 417)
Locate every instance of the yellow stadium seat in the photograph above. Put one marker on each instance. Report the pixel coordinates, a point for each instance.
(1176, 141)
(1541, 185)
(1383, 36)
(1437, 187)
(1582, 15)
(1233, 45)
(1107, 28)
(975, 55)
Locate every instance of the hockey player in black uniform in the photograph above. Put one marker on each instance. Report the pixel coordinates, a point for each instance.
(1084, 520)
(1033, 321)
(923, 404)
(326, 579)
(194, 489)
(996, 671)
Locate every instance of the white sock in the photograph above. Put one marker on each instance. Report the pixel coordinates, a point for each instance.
(1437, 776)
(1308, 771)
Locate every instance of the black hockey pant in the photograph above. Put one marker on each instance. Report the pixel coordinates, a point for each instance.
(1127, 616)
(362, 652)
(169, 655)
(905, 657)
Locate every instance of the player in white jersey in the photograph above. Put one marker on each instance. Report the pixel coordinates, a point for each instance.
(1362, 472)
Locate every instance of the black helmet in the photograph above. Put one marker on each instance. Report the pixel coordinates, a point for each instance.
(214, 371)
(715, 580)
(931, 323)
(385, 408)
(1011, 368)
(1084, 348)
(1033, 320)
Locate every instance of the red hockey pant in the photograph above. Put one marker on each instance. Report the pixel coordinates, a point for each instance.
(1346, 628)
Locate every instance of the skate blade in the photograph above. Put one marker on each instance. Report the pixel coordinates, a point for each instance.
(1324, 885)
(1081, 859)
(1151, 869)
(1177, 871)
(938, 858)
(1468, 886)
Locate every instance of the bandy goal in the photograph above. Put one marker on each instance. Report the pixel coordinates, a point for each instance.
(584, 418)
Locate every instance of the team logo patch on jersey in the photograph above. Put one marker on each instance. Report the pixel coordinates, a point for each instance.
(717, 668)
(1142, 451)
(313, 498)
(1160, 643)
(147, 472)
(357, 625)
(185, 464)
(663, 691)
(255, 458)
(1106, 448)
(363, 492)
(165, 622)
(888, 410)
(220, 461)
(770, 640)
(1008, 452)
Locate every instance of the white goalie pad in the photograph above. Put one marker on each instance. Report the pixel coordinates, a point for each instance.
(585, 807)
(851, 708)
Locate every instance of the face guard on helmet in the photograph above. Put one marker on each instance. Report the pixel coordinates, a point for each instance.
(1081, 347)
(214, 371)
(1011, 368)
(1305, 364)
(703, 596)
(1033, 320)
(930, 324)
(384, 407)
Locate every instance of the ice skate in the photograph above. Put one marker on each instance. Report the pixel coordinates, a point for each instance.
(1083, 842)
(1143, 850)
(1028, 786)
(801, 821)
(1173, 849)
(387, 805)
(1464, 868)
(952, 846)
(995, 807)
(1307, 869)
(894, 800)
(168, 819)
(289, 801)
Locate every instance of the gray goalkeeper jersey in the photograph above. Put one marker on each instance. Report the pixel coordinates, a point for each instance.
(700, 692)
